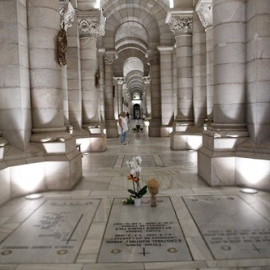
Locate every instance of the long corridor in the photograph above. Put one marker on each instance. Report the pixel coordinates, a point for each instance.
(205, 217)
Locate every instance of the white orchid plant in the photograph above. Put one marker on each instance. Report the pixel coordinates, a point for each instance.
(135, 169)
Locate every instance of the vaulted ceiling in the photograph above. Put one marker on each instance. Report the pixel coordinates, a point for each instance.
(134, 29)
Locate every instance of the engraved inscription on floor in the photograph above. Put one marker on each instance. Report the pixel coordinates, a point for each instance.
(52, 234)
(231, 228)
(138, 234)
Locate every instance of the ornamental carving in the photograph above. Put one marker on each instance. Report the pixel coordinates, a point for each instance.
(205, 13)
(181, 24)
(91, 25)
(62, 47)
(67, 14)
(109, 58)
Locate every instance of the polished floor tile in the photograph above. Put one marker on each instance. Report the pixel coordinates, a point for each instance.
(105, 179)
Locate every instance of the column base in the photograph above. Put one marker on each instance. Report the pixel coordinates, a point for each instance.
(165, 131)
(111, 129)
(185, 141)
(42, 167)
(92, 143)
(185, 136)
(154, 129)
(229, 158)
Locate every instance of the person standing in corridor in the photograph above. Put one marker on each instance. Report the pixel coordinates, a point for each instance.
(123, 127)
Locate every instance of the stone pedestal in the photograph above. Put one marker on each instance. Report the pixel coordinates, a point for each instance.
(94, 143)
(217, 157)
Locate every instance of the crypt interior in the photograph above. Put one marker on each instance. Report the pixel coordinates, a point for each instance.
(194, 74)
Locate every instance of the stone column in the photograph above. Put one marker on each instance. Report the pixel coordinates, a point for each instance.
(258, 75)
(166, 80)
(62, 162)
(147, 84)
(155, 124)
(199, 74)
(229, 63)
(216, 159)
(205, 13)
(74, 76)
(101, 87)
(253, 156)
(183, 135)
(45, 71)
(15, 105)
(181, 24)
(67, 14)
(91, 25)
(118, 106)
(111, 126)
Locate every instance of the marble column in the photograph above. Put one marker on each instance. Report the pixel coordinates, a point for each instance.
(199, 74)
(91, 25)
(147, 84)
(258, 75)
(111, 122)
(118, 106)
(205, 13)
(155, 124)
(101, 86)
(166, 81)
(183, 135)
(229, 63)
(45, 71)
(62, 164)
(67, 14)
(74, 76)
(15, 105)
(181, 24)
(216, 159)
(253, 156)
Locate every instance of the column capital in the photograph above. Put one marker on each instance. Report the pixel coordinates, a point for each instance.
(180, 21)
(153, 57)
(67, 13)
(110, 56)
(91, 23)
(119, 80)
(205, 13)
(146, 79)
(165, 49)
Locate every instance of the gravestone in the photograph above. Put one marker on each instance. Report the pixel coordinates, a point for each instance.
(231, 227)
(138, 234)
(52, 234)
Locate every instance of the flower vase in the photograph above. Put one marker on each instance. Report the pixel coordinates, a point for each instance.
(137, 202)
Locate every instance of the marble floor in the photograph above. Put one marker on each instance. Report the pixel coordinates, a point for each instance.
(105, 181)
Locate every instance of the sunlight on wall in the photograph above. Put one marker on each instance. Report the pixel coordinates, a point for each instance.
(252, 171)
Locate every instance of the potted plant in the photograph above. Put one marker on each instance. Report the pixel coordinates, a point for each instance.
(137, 195)
(137, 192)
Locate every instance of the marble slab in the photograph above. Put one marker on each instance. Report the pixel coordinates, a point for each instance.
(147, 160)
(143, 234)
(231, 228)
(52, 234)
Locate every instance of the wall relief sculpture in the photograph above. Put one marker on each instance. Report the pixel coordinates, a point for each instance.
(62, 47)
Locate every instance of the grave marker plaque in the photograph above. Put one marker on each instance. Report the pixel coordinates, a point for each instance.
(52, 234)
(231, 227)
(136, 234)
